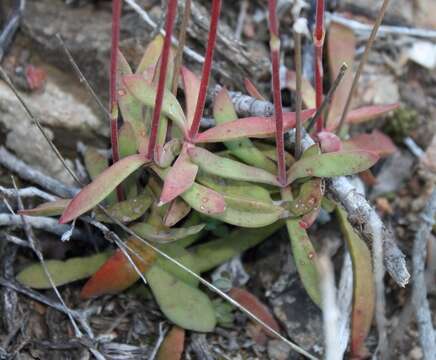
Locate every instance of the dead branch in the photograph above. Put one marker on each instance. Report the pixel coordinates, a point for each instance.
(39, 222)
(30, 191)
(25, 172)
(427, 336)
(329, 308)
(345, 300)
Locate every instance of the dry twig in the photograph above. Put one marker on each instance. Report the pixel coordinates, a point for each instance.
(427, 336)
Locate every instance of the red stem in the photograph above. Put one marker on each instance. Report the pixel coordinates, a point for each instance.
(318, 39)
(207, 66)
(116, 19)
(169, 25)
(278, 111)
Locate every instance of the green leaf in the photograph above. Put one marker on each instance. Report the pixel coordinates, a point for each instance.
(145, 92)
(228, 168)
(95, 164)
(127, 140)
(215, 252)
(128, 210)
(235, 188)
(151, 54)
(154, 233)
(305, 258)
(363, 285)
(184, 305)
(304, 255)
(93, 193)
(243, 149)
(309, 197)
(52, 208)
(332, 164)
(62, 272)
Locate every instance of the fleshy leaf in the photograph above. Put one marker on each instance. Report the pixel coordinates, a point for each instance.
(52, 208)
(146, 93)
(213, 253)
(153, 233)
(329, 142)
(128, 210)
(367, 113)
(333, 164)
(127, 140)
(62, 272)
(184, 305)
(341, 48)
(151, 54)
(307, 90)
(176, 211)
(228, 168)
(191, 84)
(305, 259)
(173, 345)
(168, 152)
(179, 178)
(363, 285)
(243, 149)
(131, 109)
(252, 303)
(95, 164)
(117, 273)
(235, 188)
(93, 193)
(252, 90)
(257, 127)
(307, 220)
(309, 197)
(376, 142)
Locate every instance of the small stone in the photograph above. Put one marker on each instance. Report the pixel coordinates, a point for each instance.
(278, 350)
(416, 353)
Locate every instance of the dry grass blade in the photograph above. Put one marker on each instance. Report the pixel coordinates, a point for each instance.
(210, 286)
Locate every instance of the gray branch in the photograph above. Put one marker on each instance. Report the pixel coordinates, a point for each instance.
(427, 336)
(26, 172)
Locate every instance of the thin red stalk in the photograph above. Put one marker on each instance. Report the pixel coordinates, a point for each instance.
(318, 40)
(278, 111)
(207, 66)
(116, 18)
(169, 25)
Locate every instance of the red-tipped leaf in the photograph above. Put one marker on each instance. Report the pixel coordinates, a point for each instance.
(254, 127)
(93, 193)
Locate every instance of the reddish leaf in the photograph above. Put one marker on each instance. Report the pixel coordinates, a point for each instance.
(341, 48)
(308, 219)
(363, 286)
(180, 177)
(192, 87)
(255, 306)
(251, 89)
(329, 142)
(173, 345)
(117, 273)
(93, 193)
(307, 90)
(257, 127)
(376, 142)
(177, 210)
(368, 178)
(367, 113)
